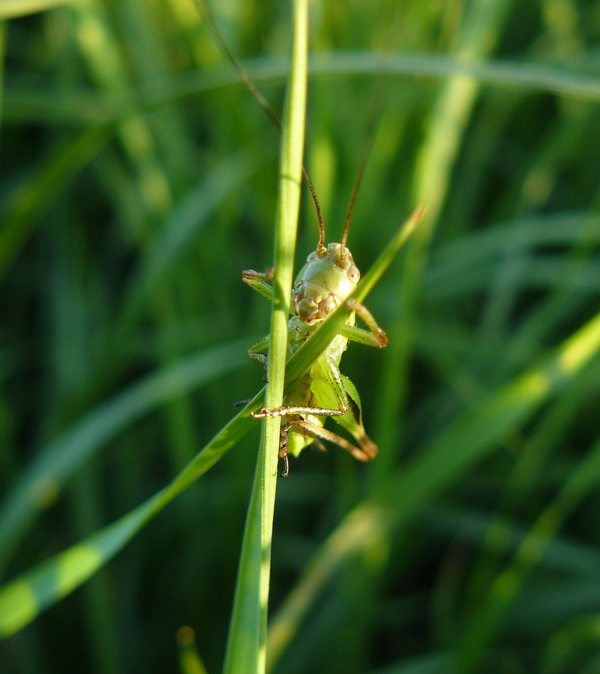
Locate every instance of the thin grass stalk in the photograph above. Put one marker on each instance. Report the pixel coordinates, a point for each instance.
(246, 648)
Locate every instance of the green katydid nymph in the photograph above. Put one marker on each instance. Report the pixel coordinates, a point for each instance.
(322, 285)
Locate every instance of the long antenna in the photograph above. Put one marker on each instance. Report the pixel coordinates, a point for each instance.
(376, 115)
(264, 104)
(366, 151)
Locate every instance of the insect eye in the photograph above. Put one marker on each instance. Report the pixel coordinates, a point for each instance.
(354, 275)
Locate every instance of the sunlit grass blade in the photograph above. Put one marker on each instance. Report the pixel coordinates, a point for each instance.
(469, 439)
(246, 646)
(10, 9)
(22, 599)
(138, 179)
(40, 484)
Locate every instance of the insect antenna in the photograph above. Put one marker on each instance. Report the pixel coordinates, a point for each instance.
(264, 104)
(368, 146)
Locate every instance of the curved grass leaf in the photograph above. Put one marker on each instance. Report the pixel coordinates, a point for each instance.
(469, 439)
(22, 599)
(55, 463)
(531, 78)
(559, 81)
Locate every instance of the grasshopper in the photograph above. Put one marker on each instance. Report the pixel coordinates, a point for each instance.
(322, 285)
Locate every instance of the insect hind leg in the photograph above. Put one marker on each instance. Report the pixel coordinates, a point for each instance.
(317, 432)
(305, 427)
(298, 409)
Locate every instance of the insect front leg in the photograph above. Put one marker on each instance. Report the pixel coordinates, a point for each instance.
(374, 336)
(260, 281)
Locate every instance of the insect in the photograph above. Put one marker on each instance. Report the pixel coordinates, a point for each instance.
(322, 285)
(325, 282)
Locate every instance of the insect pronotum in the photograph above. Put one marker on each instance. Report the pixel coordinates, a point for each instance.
(325, 282)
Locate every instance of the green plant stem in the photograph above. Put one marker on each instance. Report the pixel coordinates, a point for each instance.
(246, 648)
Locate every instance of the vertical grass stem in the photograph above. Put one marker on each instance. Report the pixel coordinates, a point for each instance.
(246, 648)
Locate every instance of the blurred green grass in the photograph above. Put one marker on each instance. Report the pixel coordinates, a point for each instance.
(138, 180)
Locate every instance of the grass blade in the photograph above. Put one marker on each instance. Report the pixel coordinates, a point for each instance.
(246, 647)
(59, 460)
(469, 439)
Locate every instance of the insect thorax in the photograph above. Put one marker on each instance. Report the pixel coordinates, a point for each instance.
(324, 283)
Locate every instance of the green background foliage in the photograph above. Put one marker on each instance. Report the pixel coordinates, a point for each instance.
(138, 178)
